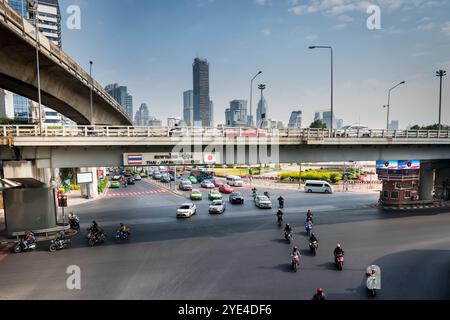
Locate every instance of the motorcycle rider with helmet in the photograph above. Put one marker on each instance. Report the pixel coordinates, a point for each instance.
(281, 202)
(30, 238)
(338, 252)
(319, 296)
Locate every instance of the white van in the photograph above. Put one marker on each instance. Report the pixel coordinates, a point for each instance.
(318, 186)
(235, 181)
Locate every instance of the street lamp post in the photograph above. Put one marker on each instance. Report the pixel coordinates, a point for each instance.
(440, 74)
(34, 4)
(332, 82)
(388, 106)
(90, 74)
(251, 93)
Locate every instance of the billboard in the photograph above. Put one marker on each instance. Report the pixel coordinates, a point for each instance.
(85, 178)
(171, 158)
(399, 164)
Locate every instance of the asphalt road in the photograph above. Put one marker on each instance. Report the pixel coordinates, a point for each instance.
(241, 254)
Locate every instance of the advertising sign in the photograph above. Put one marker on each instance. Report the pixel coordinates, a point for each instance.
(171, 158)
(409, 165)
(399, 164)
(85, 178)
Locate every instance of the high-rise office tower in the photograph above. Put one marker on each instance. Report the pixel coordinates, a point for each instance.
(236, 115)
(295, 121)
(211, 113)
(6, 104)
(327, 119)
(120, 94)
(188, 107)
(394, 125)
(202, 105)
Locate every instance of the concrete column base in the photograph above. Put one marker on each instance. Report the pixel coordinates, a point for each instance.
(90, 191)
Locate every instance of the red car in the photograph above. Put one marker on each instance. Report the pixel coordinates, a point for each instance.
(226, 189)
(218, 184)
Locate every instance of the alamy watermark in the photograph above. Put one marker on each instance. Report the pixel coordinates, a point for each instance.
(73, 282)
(73, 21)
(374, 20)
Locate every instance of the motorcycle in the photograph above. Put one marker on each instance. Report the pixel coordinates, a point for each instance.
(96, 238)
(281, 203)
(122, 235)
(23, 245)
(313, 246)
(254, 194)
(288, 236)
(59, 244)
(309, 228)
(339, 260)
(74, 223)
(295, 262)
(373, 282)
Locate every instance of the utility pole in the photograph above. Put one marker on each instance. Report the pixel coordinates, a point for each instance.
(440, 74)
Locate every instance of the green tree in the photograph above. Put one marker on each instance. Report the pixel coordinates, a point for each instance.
(318, 124)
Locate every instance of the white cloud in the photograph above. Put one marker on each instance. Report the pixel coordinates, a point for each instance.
(346, 18)
(446, 28)
(425, 27)
(266, 32)
(311, 37)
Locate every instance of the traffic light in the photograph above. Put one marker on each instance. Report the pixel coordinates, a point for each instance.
(62, 201)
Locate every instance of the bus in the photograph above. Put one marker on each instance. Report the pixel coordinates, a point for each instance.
(202, 174)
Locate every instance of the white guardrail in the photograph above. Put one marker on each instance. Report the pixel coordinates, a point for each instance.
(129, 131)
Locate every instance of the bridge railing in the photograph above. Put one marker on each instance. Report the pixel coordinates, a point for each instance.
(226, 132)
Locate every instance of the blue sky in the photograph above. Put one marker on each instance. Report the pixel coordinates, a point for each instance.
(149, 46)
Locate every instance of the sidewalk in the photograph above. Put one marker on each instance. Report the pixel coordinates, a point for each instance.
(74, 198)
(350, 188)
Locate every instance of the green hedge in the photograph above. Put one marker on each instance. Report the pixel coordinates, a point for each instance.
(102, 185)
(332, 177)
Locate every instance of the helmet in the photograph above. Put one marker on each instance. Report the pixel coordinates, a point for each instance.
(288, 225)
(338, 245)
(295, 249)
(319, 290)
(121, 224)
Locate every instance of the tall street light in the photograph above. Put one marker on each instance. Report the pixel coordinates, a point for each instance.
(90, 74)
(251, 94)
(440, 74)
(34, 5)
(332, 84)
(388, 106)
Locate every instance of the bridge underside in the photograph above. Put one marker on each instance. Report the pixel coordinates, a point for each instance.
(110, 156)
(60, 89)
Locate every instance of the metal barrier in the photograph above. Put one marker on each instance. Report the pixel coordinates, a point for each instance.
(128, 131)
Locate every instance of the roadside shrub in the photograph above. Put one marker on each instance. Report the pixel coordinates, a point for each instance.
(332, 177)
(102, 185)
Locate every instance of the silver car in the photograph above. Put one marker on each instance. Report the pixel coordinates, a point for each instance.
(353, 131)
(263, 202)
(217, 206)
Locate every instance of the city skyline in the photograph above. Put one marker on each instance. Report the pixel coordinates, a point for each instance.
(413, 39)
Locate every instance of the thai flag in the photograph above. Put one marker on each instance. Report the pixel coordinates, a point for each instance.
(135, 159)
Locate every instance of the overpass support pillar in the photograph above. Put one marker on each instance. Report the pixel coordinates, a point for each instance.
(26, 169)
(442, 184)
(90, 190)
(426, 182)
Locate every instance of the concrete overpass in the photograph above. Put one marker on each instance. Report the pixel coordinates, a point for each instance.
(65, 86)
(105, 146)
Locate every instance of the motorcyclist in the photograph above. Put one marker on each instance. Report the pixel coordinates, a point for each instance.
(287, 228)
(267, 194)
(338, 251)
(280, 214)
(30, 238)
(296, 252)
(281, 202)
(313, 238)
(61, 235)
(319, 296)
(124, 229)
(309, 216)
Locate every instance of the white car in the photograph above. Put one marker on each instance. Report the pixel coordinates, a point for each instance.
(187, 210)
(354, 131)
(137, 177)
(263, 202)
(217, 206)
(207, 185)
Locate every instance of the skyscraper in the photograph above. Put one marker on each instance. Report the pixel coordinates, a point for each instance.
(394, 125)
(202, 105)
(236, 115)
(211, 113)
(120, 94)
(142, 115)
(327, 119)
(295, 121)
(6, 104)
(188, 107)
